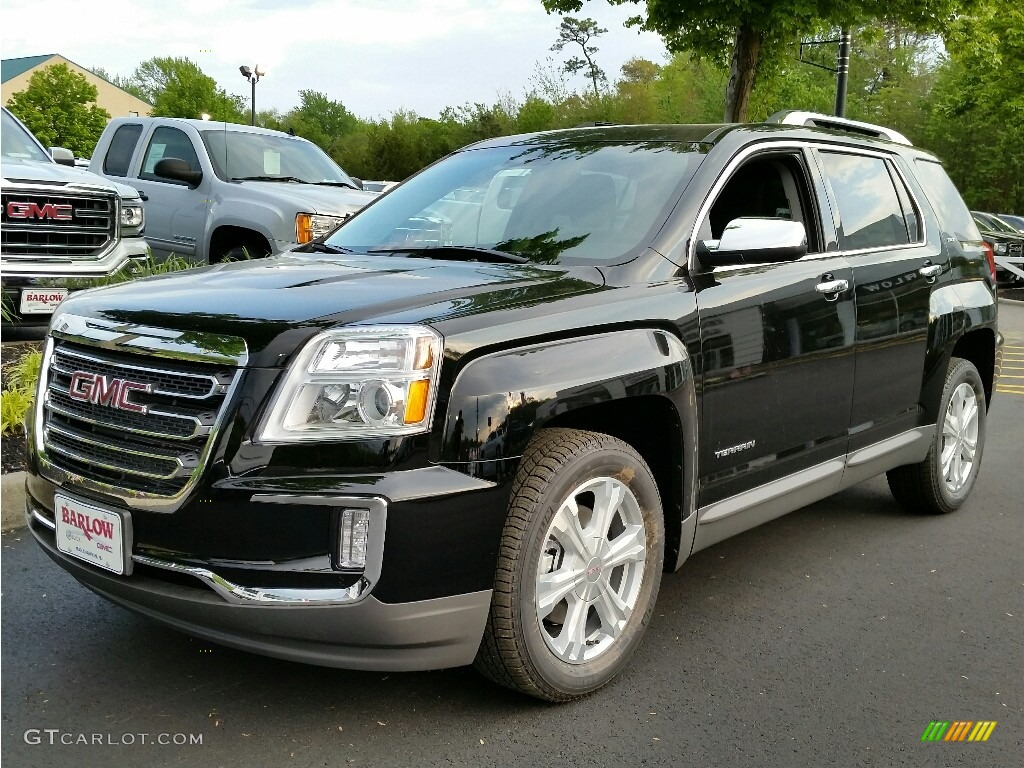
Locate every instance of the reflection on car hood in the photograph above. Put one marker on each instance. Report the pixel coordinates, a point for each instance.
(276, 303)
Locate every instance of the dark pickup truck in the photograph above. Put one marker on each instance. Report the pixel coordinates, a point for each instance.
(479, 421)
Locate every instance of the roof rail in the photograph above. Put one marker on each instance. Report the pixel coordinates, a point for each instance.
(817, 120)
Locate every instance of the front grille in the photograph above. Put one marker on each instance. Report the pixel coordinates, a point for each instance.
(33, 227)
(150, 441)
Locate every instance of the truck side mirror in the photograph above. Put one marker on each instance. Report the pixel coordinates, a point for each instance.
(755, 241)
(62, 156)
(178, 170)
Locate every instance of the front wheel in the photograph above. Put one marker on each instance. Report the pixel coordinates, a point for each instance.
(579, 566)
(941, 483)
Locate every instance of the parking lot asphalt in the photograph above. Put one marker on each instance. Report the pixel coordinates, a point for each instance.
(830, 637)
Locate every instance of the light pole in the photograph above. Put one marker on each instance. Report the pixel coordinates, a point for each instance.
(253, 76)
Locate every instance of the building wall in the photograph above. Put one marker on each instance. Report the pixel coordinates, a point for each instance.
(108, 96)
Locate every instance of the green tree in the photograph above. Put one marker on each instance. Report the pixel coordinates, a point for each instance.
(753, 35)
(580, 32)
(977, 105)
(59, 107)
(321, 120)
(177, 87)
(124, 83)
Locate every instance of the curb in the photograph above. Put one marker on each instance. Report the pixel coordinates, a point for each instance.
(12, 501)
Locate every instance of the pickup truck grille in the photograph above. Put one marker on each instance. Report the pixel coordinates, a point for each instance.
(57, 226)
(135, 423)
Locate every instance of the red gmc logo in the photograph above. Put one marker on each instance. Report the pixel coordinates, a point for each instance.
(106, 390)
(62, 212)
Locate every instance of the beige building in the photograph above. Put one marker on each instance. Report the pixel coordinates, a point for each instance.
(17, 72)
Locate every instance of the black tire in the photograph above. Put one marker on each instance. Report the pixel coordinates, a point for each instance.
(925, 487)
(517, 649)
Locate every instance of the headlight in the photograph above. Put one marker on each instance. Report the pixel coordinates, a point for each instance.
(1001, 248)
(354, 383)
(309, 226)
(132, 217)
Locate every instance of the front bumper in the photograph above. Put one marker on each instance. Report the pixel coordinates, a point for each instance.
(412, 608)
(75, 276)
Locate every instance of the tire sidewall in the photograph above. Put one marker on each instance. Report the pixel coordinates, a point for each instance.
(963, 372)
(578, 679)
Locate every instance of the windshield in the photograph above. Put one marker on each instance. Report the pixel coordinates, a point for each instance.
(16, 142)
(242, 155)
(551, 200)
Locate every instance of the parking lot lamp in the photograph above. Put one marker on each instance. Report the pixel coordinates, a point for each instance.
(253, 76)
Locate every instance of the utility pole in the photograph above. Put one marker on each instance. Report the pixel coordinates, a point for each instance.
(842, 71)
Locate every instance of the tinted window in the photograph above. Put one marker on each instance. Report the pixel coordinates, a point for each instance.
(552, 200)
(949, 207)
(869, 206)
(168, 142)
(121, 149)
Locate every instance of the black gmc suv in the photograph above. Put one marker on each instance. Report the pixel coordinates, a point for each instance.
(477, 422)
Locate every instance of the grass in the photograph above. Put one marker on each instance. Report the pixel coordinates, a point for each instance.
(16, 398)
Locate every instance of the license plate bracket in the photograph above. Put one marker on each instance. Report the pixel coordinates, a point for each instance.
(94, 534)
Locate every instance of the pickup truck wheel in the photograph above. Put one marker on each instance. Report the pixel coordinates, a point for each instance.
(578, 569)
(941, 483)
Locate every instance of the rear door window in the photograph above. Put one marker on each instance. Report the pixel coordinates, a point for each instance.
(121, 149)
(870, 207)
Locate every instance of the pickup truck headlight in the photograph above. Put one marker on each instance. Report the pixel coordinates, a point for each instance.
(1001, 248)
(309, 226)
(132, 218)
(354, 383)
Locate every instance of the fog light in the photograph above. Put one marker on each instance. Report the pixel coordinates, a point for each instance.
(352, 538)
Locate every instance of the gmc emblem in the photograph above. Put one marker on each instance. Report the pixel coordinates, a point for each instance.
(106, 390)
(58, 212)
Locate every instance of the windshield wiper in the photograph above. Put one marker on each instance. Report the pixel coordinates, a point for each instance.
(270, 178)
(335, 184)
(457, 252)
(316, 246)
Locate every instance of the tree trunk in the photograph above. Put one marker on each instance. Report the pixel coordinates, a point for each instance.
(746, 50)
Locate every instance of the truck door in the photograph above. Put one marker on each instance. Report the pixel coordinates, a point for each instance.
(777, 358)
(175, 213)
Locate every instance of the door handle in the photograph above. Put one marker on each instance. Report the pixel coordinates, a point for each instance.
(930, 270)
(832, 288)
(142, 195)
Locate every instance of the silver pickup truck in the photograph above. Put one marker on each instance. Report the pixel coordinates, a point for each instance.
(62, 228)
(216, 191)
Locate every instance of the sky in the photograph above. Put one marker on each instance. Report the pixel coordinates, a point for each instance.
(374, 56)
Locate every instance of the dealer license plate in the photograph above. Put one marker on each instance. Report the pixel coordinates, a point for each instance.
(39, 302)
(90, 533)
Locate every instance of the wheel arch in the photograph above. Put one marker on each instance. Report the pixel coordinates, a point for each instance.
(227, 236)
(636, 385)
(963, 324)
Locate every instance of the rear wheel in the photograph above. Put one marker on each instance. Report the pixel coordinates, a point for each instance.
(579, 566)
(942, 482)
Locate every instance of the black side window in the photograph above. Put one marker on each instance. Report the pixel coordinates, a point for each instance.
(121, 149)
(168, 142)
(949, 206)
(767, 186)
(869, 206)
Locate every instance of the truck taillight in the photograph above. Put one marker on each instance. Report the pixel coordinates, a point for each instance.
(990, 257)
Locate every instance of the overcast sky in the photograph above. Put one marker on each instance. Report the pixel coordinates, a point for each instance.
(375, 56)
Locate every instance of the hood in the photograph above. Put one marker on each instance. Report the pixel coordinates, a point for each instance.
(15, 170)
(312, 198)
(275, 304)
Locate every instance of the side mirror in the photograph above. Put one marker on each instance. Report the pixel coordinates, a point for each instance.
(62, 156)
(359, 182)
(178, 170)
(755, 241)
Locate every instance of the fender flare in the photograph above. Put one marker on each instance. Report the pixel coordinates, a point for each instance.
(500, 399)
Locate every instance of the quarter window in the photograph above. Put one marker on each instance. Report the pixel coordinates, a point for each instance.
(869, 205)
(121, 149)
(168, 142)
